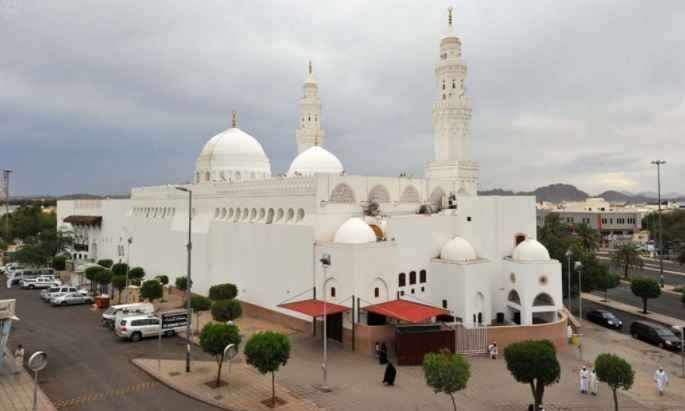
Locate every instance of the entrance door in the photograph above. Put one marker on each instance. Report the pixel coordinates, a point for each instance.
(334, 326)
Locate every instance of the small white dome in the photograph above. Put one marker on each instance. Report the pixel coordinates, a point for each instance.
(232, 155)
(314, 160)
(354, 231)
(530, 250)
(458, 249)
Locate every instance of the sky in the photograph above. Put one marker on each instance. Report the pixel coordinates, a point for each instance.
(101, 96)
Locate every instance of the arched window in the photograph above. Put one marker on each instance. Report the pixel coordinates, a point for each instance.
(342, 193)
(410, 195)
(519, 238)
(380, 194)
(543, 299)
(402, 280)
(333, 292)
(412, 277)
(514, 297)
(422, 276)
(443, 84)
(376, 292)
(454, 84)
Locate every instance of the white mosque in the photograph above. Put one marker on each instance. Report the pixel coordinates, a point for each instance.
(430, 241)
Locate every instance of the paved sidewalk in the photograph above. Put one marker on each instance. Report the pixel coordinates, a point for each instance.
(633, 310)
(16, 391)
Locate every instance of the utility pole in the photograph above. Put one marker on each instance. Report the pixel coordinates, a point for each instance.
(568, 254)
(660, 238)
(6, 181)
(325, 263)
(189, 247)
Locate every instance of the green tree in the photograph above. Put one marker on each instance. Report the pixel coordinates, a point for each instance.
(119, 269)
(103, 278)
(226, 310)
(31, 255)
(588, 237)
(199, 303)
(533, 362)
(107, 263)
(151, 290)
(646, 289)
(446, 372)
(627, 257)
(606, 281)
(616, 372)
(214, 338)
(59, 263)
(136, 274)
(162, 279)
(119, 282)
(267, 351)
(91, 274)
(181, 283)
(222, 292)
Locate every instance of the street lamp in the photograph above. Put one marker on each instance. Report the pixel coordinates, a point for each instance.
(660, 238)
(129, 241)
(568, 255)
(579, 268)
(325, 263)
(189, 246)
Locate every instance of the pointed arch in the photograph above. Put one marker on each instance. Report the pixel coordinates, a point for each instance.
(514, 297)
(343, 193)
(410, 195)
(379, 194)
(543, 299)
(437, 197)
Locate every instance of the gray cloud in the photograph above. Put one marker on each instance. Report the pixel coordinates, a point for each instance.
(102, 97)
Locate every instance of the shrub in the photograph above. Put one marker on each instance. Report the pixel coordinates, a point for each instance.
(226, 310)
(182, 283)
(446, 372)
(200, 303)
(223, 292)
(91, 274)
(59, 263)
(162, 279)
(136, 273)
(119, 269)
(103, 277)
(267, 351)
(105, 263)
(151, 290)
(533, 362)
(616, 372)
(215, 337)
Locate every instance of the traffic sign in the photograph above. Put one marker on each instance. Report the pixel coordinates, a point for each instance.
(174, 319)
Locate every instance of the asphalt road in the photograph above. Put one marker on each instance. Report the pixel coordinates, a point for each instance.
(89, 368)
(667, 304)
(674, 274)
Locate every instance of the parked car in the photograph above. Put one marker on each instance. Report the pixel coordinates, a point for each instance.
(71, 298)
(655, 334)
(110, 314)
(17, 276)
(137, 327)
(605, 319)
(40, 282)
(678, 331)
(9, 268)
(51, 292)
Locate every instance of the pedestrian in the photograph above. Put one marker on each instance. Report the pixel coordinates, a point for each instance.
(661, 379)
(492, 350)
(390, 374)
(594, 382)
(584, 380)
(377, 349)
(383, 356)
(19, 359)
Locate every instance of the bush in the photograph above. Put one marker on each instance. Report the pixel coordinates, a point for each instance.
(181, 283)
(614, 371)
(215, 338)
(162, 279)
(92, 274)
(223, 292)
(119, 269)
(533, 362)
(446, 372)
(59, 263)
(267, 351)
(136, 273)
(200, 303)
(226, 310)
(105, 263)
(151, 290)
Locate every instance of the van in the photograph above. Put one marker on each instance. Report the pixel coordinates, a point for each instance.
(113, 311)
(16, 276)
(655, 334)
(137, 327)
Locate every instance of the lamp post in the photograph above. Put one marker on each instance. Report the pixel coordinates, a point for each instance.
(128, 265)
(325, 263)
(189, 247)
(660, 238)
(579, 268)
(568, 255)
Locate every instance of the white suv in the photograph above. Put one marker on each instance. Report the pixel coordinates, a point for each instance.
(137, 327)
(44, 281)
(52, 292)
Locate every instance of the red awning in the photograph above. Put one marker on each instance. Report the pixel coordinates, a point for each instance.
(314, 308)
(406, 310)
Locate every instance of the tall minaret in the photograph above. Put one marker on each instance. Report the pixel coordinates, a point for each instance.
(452, 120)
(309, 133)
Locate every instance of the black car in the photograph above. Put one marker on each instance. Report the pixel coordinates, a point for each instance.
(604, 318)
(655, 334)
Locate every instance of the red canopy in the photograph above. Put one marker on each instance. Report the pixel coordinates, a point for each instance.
(314, 308)
(406, 310)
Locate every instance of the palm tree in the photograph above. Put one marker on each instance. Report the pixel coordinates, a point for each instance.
(627, 256)
(588, 237)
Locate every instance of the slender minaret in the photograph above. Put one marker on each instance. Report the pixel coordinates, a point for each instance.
(309, 133)
(452, 120)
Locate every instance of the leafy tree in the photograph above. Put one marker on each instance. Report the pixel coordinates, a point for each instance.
(103, 278)
(616, 372)
(59, 263)
(673, 229)
(226, 310)
(626, 256)
(267, 351)
(200, 303)
(91, 274)
(446, 372)
(151, 290)
(181, 283)
(606, 281)
(107, 263)
(588, 237)
(119, 282)
(119, 269)
(31, 255)
(645, 288)
(214, 338)
(533, 362)
(136, 273)
(223, 292)
(162, 279)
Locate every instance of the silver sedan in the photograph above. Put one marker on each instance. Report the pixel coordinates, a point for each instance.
(71, 298)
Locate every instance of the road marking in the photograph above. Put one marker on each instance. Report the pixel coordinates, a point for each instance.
(118, 392)
(647, 267)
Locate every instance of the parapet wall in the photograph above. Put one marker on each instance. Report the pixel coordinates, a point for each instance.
(507, 334)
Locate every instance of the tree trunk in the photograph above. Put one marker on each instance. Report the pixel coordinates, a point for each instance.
(540, 393)
(625, 271)
(273, 389)
(454, 403)
(533, 390)
(606, 294)
(615, 400)
(644, 306)
(218, 374)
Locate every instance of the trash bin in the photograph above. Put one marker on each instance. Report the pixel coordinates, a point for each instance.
(102, 301)
(575, 339)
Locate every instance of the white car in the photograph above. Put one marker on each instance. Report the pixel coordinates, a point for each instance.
(111, 314)
(52, 292)
(71, 298)
(137, 327)
(44, 281)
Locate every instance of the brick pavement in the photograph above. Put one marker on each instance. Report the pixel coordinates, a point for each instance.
(16, 391)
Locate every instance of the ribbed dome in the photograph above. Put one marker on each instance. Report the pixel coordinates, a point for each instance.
(354, 231)
(314, 160)
(458, 249)
(232, 155)
(530, 250)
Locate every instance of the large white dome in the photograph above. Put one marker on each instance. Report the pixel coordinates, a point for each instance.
(458, 249)
(354, 231)
(530, 250)
(314, 160)
(232, 155)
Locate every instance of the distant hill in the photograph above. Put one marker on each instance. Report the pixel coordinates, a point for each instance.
(617, 197)
(556, 193)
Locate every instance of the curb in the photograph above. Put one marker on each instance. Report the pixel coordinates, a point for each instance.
(176, 388)
(663, 290)
(636, 313)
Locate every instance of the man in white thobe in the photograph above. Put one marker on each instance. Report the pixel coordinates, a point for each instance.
(661, 379)
(584, 380)
(594, 382)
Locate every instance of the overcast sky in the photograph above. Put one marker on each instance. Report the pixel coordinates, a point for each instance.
(102, 96)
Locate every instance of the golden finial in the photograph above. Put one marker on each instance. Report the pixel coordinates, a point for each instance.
(449, 15)
(310, 67)
(234, 120)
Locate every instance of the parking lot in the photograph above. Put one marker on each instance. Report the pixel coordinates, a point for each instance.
(89, 368)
